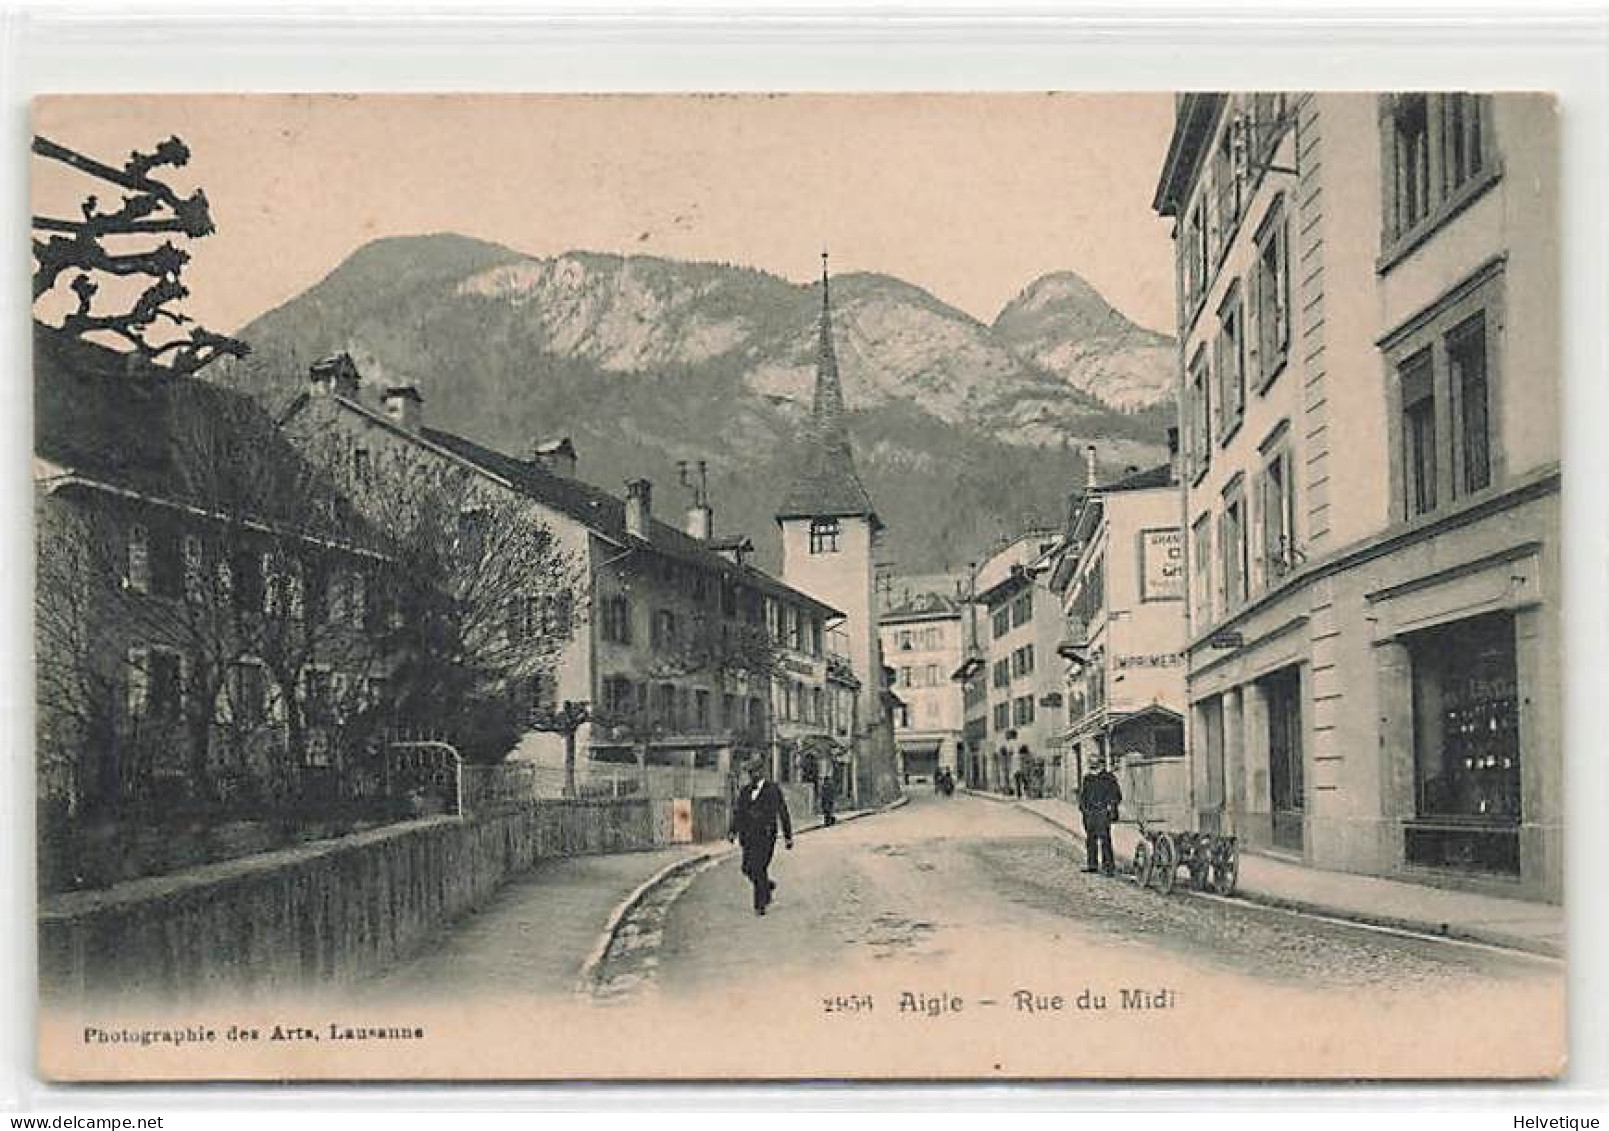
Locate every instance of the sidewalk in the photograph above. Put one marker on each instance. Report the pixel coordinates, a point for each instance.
(1518, 924)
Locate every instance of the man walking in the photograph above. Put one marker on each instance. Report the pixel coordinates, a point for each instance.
(756, 812)
(829, 796)
(1099, 795)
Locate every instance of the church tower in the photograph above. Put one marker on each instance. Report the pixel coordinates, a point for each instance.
(830, 534)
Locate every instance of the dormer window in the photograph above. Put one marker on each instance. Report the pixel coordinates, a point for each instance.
(824, 534)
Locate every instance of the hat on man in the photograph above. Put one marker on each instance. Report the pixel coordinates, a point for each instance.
(754, 762)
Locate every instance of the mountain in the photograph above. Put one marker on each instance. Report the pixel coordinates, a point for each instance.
(1062, 325)
(645, 361)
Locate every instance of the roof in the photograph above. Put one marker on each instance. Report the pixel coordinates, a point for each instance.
(1193, 120)
(827, 485)
(173, 440)
(1158, 476)
(731, 542)
(922, 606)
(556, 447)
(591, 506)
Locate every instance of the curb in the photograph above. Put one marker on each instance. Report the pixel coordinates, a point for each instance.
(1500, 939)
(588, 977)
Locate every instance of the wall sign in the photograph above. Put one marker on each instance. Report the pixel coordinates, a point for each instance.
(1162, 564)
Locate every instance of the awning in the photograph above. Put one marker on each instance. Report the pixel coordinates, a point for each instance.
(922, 748)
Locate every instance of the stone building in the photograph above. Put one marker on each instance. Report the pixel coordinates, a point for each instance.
(922, 636)
(830, 537)
(1368, 297)
(688, 657)
(1120, 575)
(1019, 626)
(209, 619)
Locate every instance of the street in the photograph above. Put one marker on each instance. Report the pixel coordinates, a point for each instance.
(971, 901)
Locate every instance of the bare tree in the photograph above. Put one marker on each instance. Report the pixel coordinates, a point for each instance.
(121, 244)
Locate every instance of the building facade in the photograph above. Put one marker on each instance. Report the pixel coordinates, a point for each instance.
(1369, 402)
(1019, 626)
(1120, 574)
(688, 658)
(922, 638)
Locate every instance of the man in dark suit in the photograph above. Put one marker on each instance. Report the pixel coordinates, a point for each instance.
(1099, 796)
(756, 812)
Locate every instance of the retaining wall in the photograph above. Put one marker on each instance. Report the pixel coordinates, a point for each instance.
(320, 913)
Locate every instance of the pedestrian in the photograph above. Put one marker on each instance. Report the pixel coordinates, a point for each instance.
(829, 796)
(1099, 796)
(756, 812)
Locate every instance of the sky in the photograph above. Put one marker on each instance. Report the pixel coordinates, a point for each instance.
(969, 196)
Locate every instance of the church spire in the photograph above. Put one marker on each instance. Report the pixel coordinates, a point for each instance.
(827, 485)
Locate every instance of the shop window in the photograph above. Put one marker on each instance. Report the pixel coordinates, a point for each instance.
(1466, 745)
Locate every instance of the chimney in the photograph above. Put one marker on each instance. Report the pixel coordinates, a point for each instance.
(405, 406)
(639, 507)
(555, 456)
(701, 521)
(1090, 481)
(334, 374)
(1173, 455)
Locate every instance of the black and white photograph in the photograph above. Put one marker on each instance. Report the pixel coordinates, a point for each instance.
(852, 586)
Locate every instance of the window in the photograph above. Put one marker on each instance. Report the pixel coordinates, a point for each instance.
(617, 619)
(665, 704)
(1022, 661)
(246, 580)
(1438, 152)
(1276, 506)
(904, 639)
(1466, 364)
(166, 563)
(155, 684)
(1002, 673)
(824, 534)
(815, 636)
(1466, 745)
(1200, 410)
(931, 676)
(357, 599)
(664, 629)
(139, 558)
(1232, 546)
(1271, 283)
(1194, 256)
(1230, 363)
(729, 710)
(195, 569)
(1201, 570)
(1002, 621)
(902, 677)
(1022, 710)
(246, 694)
(1417, 381)
(1022, 609)
(1002, 716)
(362, 469)
(318, 696)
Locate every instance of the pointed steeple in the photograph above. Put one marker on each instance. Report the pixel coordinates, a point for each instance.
(826, 485)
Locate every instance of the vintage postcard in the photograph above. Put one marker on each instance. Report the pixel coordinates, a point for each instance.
(1055, 586)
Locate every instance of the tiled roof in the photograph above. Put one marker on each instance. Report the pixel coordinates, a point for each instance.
(922, 606)
(104, 424)
(1159, 476)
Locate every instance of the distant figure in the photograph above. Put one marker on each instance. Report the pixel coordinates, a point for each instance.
(1099, 795)
(756, 812)
(828, 792)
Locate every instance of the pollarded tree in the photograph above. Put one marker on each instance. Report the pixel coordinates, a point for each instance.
(129, 247)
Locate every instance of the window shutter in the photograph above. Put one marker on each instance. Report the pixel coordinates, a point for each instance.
(195, 571)
(139, 558)
(138, 680)
(1282, 286)
(234, 684)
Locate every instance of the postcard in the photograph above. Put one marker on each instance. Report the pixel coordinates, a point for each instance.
(798, 586)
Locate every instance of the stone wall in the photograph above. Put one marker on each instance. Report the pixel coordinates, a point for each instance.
(316, 914)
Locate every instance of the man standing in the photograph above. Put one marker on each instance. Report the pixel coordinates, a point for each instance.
(756, 812)
(1099, 795)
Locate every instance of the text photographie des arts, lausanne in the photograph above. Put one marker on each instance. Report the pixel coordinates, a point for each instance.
(798, 586)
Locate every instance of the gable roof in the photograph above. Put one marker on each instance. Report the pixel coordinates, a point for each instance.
(102, 424)
(592, 507)
(923, 606)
